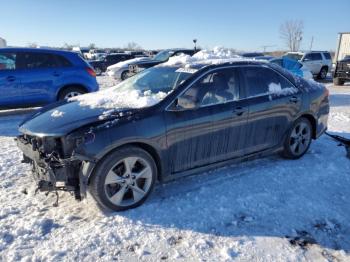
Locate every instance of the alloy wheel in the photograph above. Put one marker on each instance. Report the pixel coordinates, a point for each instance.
(300, 138)
(128, 181)
(72, 94)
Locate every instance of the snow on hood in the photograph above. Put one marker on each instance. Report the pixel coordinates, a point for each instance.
(56, 113)
(218, 55)
(127, 62)
(112, 98)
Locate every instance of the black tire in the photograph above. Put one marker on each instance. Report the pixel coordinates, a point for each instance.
(338, 82)
(98, 71)
(102, 191)
(70, 92)
(295, 145)
(124, 75)
(323, 73)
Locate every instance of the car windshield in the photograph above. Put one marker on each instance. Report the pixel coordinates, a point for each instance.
(155, 79)
(163, 56)
(294, 56)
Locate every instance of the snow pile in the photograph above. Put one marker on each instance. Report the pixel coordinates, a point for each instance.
(113, 99)
(218, 55)
(56, 113)
(276, 89)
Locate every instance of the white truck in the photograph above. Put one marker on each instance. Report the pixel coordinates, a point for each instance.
(341, 72)
(2, 42)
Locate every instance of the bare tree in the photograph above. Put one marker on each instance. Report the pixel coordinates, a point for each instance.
(133, 46)
(291, 32)
(32, 45)
(92, 46)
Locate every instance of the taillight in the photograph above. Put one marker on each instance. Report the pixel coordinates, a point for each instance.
(91, 71)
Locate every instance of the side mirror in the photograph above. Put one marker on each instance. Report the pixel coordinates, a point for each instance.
(305, 60)
(185, 103)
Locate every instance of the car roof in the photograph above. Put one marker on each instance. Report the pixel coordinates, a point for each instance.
(29, 49)
(224, 62)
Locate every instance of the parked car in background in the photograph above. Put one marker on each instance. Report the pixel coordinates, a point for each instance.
(293, 66)
(136, 53)
(101, 65)
(161, 57)
(342, 71)
(120, 71)
(318, 62)
(34, 76)
(171, 121)
(251, 54)
(94, 54)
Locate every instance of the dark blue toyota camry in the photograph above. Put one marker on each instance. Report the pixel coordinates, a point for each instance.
(170, 121)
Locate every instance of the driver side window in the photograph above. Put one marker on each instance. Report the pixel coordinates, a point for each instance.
(219, 87)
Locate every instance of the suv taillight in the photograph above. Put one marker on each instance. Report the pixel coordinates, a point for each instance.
(91, 71)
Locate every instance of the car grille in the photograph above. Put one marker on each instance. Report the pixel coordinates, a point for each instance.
(344, 66)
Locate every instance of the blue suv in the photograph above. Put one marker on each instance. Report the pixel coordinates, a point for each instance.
(32, 76)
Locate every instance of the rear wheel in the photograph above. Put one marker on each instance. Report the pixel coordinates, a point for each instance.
(71, 92)
(124, 179)
(298, 139)
(124, 75)
(337, 81)
(323, 73)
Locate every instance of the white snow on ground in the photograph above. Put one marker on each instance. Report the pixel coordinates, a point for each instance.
(262, 210)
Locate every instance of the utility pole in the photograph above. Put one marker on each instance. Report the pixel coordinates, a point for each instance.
(312, 41)
(195, 44)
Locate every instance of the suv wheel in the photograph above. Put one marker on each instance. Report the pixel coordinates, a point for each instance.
(123, 179)
(71, 92)
(298, 139)
(323, 73)
(338, 82)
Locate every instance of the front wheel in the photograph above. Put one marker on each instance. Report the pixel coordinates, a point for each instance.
(298, 139)
(98, 71)
(123, 179)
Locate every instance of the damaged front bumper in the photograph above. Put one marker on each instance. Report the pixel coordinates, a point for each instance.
(52, 172)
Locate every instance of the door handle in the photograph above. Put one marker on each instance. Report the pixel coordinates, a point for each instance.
(239, 111)
(11, 78)
(294, 99)
(56, 74)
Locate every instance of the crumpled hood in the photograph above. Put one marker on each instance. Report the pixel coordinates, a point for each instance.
(62, 119)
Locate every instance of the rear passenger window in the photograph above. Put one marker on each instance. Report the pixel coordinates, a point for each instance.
(316, 56)
(7, 61)
(62, 61)
(327, 56)
(264, 81)
(41, 60)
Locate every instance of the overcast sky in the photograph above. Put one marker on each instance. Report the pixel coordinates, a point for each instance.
(243, 25)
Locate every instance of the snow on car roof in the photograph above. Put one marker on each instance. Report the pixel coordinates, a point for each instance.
(218, 55)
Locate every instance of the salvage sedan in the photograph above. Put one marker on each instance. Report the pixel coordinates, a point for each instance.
(169, 121)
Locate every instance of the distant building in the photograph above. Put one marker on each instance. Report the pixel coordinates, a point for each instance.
(2, 42)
